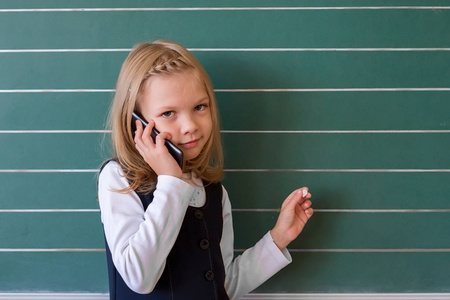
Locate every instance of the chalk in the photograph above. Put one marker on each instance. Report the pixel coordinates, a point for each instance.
(305, 192)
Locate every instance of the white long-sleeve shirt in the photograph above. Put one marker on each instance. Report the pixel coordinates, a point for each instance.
(140, 241)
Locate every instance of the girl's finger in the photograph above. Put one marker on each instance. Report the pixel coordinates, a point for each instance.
(138, 129)
(139, 144)
(295, 198)
(138, 133)
(146, 138)
(160, 138)
(307, 204)
(289, 199)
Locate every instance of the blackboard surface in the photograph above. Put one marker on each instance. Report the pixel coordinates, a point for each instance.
(349, 98)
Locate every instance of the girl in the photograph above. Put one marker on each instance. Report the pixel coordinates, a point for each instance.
(169, 232)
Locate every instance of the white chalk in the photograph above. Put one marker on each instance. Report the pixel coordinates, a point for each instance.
(305, 192)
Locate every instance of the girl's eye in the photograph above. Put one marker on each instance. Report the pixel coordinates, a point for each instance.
(167, 114)
(200, 107)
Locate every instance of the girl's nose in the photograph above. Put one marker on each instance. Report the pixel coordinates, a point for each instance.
(188, 125)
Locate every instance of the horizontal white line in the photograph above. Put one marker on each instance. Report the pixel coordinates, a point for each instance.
(51, 250)
(382, 210)
(332, 131)
(405, 49)
(330, 296)
(53, 131)
(58, 91)
(418, 250)
(49, 170)
(241, 131)
(249, 170)
(77, 296)
(318, 210)
(65, 50)
(87, 296)
(251, 296)
(47, 210)
(405, 250)
(336, 296)
(334, 90)
(244, 210)
(239, 90)
(314, 49)
(342, 170)
(221, 8)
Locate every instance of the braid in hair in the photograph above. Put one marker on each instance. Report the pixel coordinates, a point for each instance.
(169, 66)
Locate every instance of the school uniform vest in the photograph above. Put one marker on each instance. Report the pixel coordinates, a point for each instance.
(194, 268)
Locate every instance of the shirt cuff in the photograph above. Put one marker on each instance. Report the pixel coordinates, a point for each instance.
(281, 256)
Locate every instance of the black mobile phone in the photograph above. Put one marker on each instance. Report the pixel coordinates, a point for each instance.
(173, 150)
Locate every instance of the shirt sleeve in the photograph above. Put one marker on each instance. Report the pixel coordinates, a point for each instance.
(139, 240)
(253, 267)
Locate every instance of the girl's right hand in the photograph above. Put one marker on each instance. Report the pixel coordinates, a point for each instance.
(295, 212)
(156, 154)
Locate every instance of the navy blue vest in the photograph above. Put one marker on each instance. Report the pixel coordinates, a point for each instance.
(194, 268)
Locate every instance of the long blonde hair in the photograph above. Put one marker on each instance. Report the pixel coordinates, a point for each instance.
(159, 58)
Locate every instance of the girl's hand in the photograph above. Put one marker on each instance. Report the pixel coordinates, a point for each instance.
(295, 212)
(156, 154)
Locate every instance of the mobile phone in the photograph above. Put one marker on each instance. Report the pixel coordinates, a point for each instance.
(173, 150)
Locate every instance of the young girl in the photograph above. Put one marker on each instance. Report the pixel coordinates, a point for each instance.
(169, 232)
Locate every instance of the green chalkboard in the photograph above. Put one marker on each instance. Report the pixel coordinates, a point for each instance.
(349, 99)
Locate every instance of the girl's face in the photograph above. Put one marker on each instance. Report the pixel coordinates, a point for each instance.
(179, 105)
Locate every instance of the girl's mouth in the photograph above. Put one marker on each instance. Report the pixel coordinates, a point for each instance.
(190, 144)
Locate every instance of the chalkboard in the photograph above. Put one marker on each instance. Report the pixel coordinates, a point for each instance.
(349, 98)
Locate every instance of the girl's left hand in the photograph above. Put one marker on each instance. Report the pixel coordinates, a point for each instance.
(295, 212)
(156, 154)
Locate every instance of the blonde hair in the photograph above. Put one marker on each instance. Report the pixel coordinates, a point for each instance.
(160, 58)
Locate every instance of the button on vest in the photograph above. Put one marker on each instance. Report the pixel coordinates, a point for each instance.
(198, 214)
(204, 244)
(209, 275)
